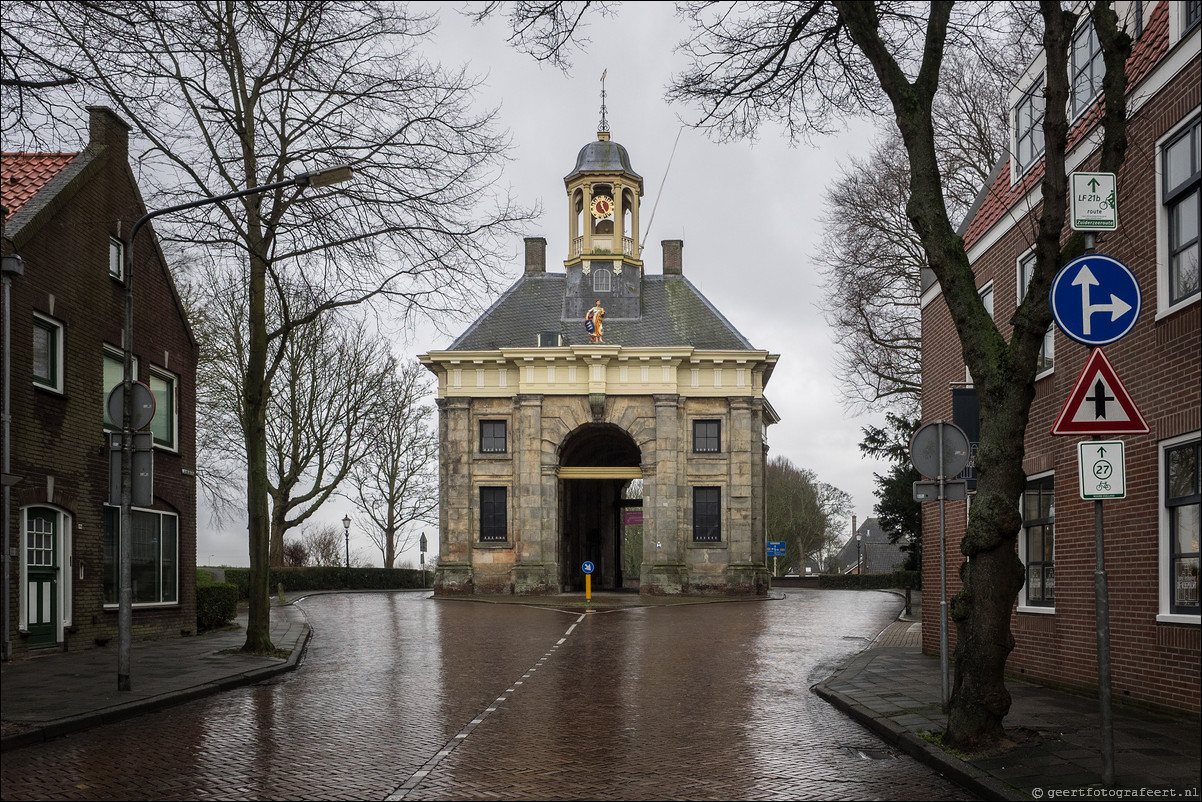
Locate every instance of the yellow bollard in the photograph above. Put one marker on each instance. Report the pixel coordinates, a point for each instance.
(588, 587)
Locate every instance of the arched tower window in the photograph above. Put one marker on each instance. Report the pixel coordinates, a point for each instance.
(602, 281)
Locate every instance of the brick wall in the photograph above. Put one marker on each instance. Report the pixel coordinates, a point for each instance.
(1153, 663)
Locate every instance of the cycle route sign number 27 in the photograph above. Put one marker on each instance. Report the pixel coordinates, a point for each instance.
(1103, 471)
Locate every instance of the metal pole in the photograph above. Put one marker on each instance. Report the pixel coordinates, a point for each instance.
(348, 558)
(1102, 620)
(943, 657)
(7, 415)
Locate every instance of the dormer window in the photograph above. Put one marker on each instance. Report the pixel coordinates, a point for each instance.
(1087, 69)
(602, 281)
(1028, 128)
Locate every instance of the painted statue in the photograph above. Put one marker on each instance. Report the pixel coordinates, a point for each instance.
(593, 323)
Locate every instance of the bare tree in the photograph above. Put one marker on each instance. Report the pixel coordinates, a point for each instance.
(802, 511)
(807, 65)
(395, 483)
(229, 96)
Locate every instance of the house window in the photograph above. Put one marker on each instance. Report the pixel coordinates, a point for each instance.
(492, 436)
(116, 258)
(707, 514)
(164, 425)
(154, 556)
(1182, 502)
(1182, 167)
(986, 293)
(1087, 68)
(114, 374)
(707, 436)
(1047, 351)
(1039, 515)
(1193, 13)
(493, 515)
(1028, 128)
(602, 281)
(47, 353)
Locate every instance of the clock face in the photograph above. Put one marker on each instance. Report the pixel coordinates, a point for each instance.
(603, 206)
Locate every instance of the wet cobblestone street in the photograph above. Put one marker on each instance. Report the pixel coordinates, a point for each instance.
(404, 697)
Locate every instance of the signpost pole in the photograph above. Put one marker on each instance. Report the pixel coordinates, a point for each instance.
(1102, 619)
(943, 659)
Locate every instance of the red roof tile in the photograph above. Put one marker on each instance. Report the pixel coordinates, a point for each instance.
(22, 175)
(1146, 53)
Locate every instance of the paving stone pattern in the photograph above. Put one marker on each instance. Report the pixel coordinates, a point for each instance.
(401, 696)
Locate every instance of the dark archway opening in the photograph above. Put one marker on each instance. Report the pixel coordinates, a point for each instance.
(590, 508)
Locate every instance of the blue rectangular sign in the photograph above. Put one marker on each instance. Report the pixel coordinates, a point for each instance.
(776, 548)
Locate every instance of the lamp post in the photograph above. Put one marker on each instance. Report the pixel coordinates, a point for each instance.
(125, 616)
(346, 528)
(859, 552)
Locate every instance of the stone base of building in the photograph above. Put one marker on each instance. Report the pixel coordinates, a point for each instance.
(453, 579)
(659, 579)
(535, 579)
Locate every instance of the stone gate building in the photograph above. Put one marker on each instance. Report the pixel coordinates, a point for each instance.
(543, 424)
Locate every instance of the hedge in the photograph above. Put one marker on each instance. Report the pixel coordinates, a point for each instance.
(897, 579)
(296, 580)
(216, 605)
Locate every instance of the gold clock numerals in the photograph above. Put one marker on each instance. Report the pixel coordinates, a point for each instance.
(603, 207)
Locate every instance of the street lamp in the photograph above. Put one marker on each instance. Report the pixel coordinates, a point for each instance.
(346, 528)
(859, 551)
(125, 615)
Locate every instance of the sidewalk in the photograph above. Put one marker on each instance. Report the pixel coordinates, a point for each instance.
(893, 689)
(62, 692)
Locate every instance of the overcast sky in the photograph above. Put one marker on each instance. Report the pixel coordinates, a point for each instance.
(748, 214)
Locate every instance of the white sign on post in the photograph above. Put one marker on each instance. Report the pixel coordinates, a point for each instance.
(1103, 470)
(1094, 202)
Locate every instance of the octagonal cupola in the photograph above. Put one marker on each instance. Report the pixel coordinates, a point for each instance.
(603, 203)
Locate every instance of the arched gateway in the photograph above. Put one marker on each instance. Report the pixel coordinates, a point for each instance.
(544, 420)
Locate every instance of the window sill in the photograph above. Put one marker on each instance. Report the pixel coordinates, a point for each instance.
(1179, 618)
(112, 608)
(494, 544)
(1177, 307)
(1037, 610)
(47, 388)
(707, 544)
(1045, 374)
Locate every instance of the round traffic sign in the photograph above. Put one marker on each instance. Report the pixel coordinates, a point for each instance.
(924, 449)
(1095, 299)
(587, 567)
(143, 408)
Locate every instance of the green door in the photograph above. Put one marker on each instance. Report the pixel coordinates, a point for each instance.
(41, 555)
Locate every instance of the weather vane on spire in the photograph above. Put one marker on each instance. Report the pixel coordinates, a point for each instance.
(604, 124)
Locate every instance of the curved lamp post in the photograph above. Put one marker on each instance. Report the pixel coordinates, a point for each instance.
(125, 617)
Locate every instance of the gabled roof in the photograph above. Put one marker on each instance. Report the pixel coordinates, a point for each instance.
(673, 314)
(24, 174)
(998, 196)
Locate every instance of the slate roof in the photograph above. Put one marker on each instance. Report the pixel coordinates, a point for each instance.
(998, 196)
(24, 175)
(674, 314)
(603, 156)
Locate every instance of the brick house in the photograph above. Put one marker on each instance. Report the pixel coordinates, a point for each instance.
(1152, 534)
(66, 215)
(545, 423)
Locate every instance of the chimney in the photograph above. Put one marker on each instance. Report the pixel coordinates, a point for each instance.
(853, 524)
(106, 128)
(672, 256)
(536, 256)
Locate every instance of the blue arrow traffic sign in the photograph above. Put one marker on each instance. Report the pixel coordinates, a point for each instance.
(587, 567)
(1095, 299)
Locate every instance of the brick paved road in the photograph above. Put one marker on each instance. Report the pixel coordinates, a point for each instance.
(405, 698)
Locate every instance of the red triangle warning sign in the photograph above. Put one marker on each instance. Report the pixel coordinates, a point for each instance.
(1099, 403)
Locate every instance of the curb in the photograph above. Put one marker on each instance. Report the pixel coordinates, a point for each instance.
(40, 733)
(972, 779)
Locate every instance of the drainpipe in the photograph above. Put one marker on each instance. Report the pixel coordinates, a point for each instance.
(9, 266)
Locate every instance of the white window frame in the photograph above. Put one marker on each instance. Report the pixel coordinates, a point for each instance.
(117, 247)
(117, 545)
(1075, 70)
(1163, 307)
(1033, 90)
(1164, 615)
(59, 342)
(603, 276)
(1020, 292)
(1023, 607)
(1177, 28)
(64, 570)
(173, 381)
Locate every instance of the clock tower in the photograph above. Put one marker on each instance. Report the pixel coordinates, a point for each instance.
(604, 260)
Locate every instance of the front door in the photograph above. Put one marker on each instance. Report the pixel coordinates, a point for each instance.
(41, 554)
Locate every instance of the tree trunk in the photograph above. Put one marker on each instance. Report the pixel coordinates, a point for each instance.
(276, 546)
(389, 547)
(258, 625)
